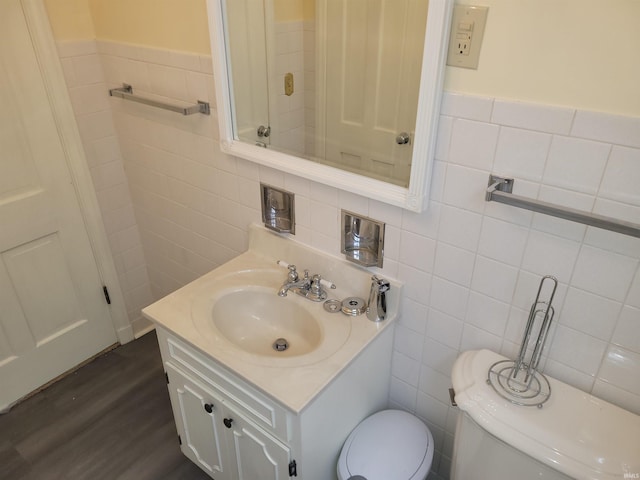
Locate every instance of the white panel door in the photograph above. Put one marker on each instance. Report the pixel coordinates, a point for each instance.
(373, 62)
(249, 73)
(53, 314)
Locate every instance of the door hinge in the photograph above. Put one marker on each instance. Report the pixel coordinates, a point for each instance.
(179, 440)
(293, 469)
(166, 376)
(106, 294)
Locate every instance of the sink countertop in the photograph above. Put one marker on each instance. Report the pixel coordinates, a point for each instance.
(292, 386)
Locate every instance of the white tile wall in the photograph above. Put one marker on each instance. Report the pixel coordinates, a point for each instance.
(471, 269)
(309, 32)
(289, 129)
(193, 204)
(85, 79)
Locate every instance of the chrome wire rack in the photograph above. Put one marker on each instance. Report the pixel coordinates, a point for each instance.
(519, 381)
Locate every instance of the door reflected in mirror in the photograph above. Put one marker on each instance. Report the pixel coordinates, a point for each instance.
(329, 92)
(332, 81)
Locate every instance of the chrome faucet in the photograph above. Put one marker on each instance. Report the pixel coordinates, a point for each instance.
(293, 281)
(308, 287)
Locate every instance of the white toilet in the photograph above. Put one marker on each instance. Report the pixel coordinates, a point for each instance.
(390, 444)
(573, 436)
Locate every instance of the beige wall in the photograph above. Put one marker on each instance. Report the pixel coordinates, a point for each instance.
(171, 24)
(288, 10)
(70, 19)
(577, 53)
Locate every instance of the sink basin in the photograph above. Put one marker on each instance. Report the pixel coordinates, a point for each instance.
(255, 319)
(242, 314)
(233, 315)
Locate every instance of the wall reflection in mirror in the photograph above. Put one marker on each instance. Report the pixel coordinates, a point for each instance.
(334, 81)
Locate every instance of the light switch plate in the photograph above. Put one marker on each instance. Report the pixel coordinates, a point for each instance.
(467, 30)
(288, 84)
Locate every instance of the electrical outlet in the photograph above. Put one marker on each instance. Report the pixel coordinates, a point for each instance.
(463, 44)
(467, 30)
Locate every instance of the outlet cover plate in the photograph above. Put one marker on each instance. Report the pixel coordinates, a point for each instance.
(467, 30)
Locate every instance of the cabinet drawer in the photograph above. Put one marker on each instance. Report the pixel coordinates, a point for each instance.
(251, 403)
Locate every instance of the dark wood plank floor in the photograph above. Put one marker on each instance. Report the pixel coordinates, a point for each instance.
(111, 419)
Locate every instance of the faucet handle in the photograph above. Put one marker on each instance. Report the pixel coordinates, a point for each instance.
(293, 273)
(327, 284)
(316, 286)
(316, 292)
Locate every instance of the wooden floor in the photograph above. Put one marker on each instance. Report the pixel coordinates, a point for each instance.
(111, 419)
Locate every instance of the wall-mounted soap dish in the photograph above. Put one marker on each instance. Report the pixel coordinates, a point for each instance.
(362, 239)
(278, 209)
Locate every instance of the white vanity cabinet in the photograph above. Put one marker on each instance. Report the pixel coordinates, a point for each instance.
(197, 413)
(288, 413)
(229, 430)
(219, 438)
(257, 454)
(234, 431)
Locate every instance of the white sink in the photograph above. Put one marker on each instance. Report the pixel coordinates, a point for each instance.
(242, 311)
(255, 319)
(233, 315)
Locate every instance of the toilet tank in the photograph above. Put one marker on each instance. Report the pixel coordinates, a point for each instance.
(573, 435)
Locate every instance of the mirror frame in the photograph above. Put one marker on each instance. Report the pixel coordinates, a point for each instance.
(416, 196)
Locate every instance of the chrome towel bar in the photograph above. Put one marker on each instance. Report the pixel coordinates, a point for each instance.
(499, 190)
(126, 92)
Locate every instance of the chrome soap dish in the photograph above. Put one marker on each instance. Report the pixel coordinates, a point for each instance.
(278, 209)
(362, 239)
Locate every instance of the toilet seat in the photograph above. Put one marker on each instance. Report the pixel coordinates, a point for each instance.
(389, 444)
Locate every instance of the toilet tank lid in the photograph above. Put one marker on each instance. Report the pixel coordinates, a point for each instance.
(575, 433)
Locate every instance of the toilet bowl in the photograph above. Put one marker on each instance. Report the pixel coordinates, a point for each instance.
(390, 444)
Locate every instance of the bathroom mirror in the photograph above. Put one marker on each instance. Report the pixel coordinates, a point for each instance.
(359, 113)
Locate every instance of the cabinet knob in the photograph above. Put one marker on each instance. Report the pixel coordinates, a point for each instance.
(227, 422)
(208, 407)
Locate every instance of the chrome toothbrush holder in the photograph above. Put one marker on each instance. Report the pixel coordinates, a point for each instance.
(362, 239)
(278, 209)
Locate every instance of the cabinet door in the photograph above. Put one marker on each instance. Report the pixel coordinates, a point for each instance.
(198, 417)
(257, 455)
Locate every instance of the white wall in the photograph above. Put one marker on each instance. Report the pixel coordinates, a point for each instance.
(89, 97)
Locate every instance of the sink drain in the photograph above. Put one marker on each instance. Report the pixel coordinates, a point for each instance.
(280, 345)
